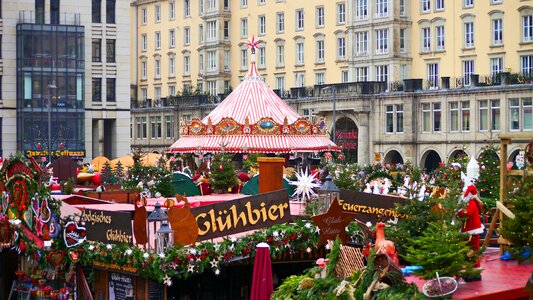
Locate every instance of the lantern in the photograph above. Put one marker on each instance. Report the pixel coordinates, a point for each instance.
(156, 216)
(326, 194)
(164, 238)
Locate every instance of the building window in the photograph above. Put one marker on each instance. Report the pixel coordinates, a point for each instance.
(439, 38)
(402, 39)
(382, 73)
(157, 68)
(320, 51)
(361, 74)
(521, 112)
(496, 1)
(110, 11)
(187, 36)
(436, 117)
(171, 38)
(382, 9)
(341, 13)
(426, 117)
(110, 51)
(212, 87)
(399, 118)
(341, 48)
(382, 41)
(495, 114)
(144, 16)
(226, 30)
(211, 60)
(280, 83)
(155, 125)
(171, 90)
(157, 94)
(299, 79)
(280, 22)
(426, 7)
(111, 89)
(262, 25)
(468, 3)
(169, 126)
(157, 40)
(527, 28)
(97, 89)
(201, 33)
(319, 78)
(227, 87)
(143, 70)
(389, 119)
(171, 10)
(261, 57)
(468, 69)
(299, 53)
(433, 75)
(345, 76)
(144, 42)
(201, 8)
(469, 35)
(144, 94)
(320, 16)
(465, 115)
(526, 65)
(171, 67)
(96, 9)
(244, 3)
(244, 58)
(211, 31)
(280, 56)
(402, 8)
(227, 57)
(426, 39)
(361, 10)
(299, 19)
(361, 43)
(187, 8)
(439, 5)
(97, 50)
(201, 63)
(496, 66)
(244, 28)
(454, 116)
(157, 16)
(186, 65)
(497, 32)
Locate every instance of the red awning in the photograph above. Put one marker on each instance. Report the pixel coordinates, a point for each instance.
(253, 143)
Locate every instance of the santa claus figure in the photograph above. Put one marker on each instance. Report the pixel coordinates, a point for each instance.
(472, 223)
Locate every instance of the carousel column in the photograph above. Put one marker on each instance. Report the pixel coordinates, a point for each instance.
(270, 174)
(363, 140)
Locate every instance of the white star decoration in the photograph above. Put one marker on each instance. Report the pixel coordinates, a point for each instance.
(305, 184)
(167, 280)
(190, 269)
(214, 264)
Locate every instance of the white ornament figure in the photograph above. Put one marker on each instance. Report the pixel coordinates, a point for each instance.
(305, 184)
(386, 186)
(368, 189)
(376, 187)
(422, 193)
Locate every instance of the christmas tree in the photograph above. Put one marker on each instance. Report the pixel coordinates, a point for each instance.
(489, 175)
(119, 173)
(222, 173)
(442, 248)
(108, 177)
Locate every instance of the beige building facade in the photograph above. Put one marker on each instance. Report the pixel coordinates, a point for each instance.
(385, 84)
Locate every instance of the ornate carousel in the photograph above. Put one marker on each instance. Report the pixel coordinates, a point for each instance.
(253, 119)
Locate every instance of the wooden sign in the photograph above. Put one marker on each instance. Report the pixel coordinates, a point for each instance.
(242, 214)
(370, 207)
(332, 224)
(108, 226)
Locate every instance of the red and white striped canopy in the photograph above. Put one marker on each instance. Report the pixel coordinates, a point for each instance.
(252, 99)
(253, 143)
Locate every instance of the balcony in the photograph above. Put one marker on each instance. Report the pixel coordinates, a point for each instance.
(29, 17)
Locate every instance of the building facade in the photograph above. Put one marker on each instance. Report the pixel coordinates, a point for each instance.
(64, 74)
(398, 89)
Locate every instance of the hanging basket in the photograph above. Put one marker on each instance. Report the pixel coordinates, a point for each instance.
(392, 273)
(350, 260)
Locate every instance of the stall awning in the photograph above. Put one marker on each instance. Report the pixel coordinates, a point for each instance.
(253, 143)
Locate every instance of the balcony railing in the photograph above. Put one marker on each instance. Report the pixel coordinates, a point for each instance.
(29, 17)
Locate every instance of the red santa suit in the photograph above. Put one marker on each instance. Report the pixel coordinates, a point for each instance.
(472, 224)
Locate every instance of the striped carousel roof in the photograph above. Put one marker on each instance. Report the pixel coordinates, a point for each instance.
(250, 103)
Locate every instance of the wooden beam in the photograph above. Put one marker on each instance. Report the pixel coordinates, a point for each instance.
(505, 210)
(491, 227)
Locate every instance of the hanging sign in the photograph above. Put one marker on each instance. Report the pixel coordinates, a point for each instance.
(108, 226)
(120, 286)
(242, 214)
(370, 207)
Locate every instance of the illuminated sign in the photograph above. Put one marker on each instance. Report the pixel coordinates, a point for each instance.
(55, 153)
